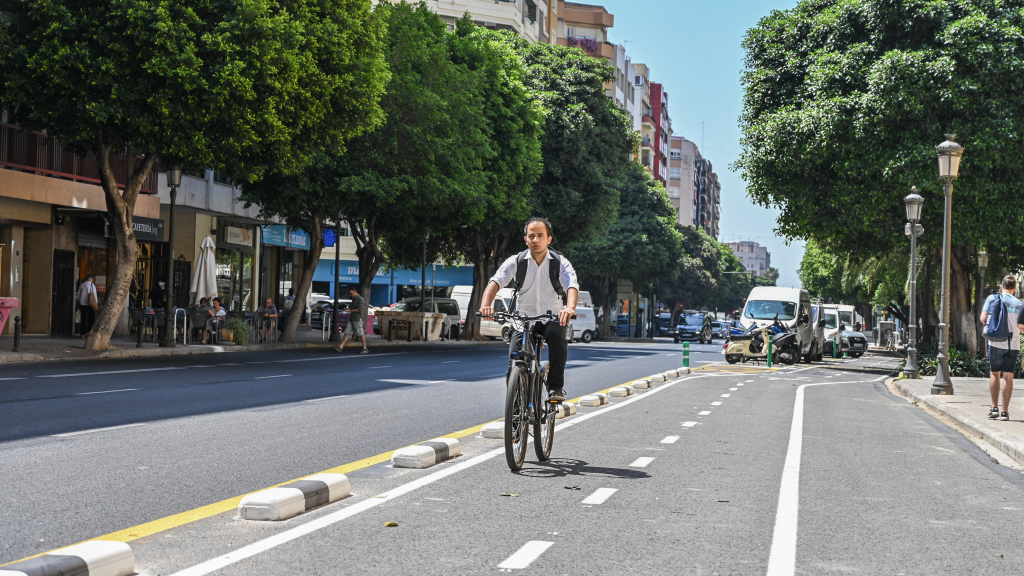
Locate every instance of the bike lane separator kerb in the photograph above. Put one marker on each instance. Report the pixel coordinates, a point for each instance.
(94, 558)
(294, 498)
(427, 454)
(258, 547)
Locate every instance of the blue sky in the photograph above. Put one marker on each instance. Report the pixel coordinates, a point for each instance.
(693, 48)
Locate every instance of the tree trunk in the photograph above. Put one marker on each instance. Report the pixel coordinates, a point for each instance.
(604, 297)
(120, 207)
(316, 247)
(368, 251)
(486, 254)
(963, 332)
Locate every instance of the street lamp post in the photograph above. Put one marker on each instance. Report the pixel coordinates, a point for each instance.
(335, 313)
(173, 180)
(914, 203)
(949, 153)
(980, 299)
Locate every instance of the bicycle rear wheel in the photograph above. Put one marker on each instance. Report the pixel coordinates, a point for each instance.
(516, 419)
(543, 422)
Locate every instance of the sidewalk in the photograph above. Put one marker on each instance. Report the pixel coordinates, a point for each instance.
(969, 407)
(41, 348)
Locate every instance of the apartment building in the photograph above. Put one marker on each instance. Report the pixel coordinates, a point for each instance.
(585, 26)
(621, 89)
(708, 193)
(755, 257)
(681, 188)
(534, 20)
(661, 132)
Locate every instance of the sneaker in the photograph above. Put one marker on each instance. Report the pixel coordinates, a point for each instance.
(556, 394)
(1004, 416)
(994, 412)
(364, 351)
(338, 348)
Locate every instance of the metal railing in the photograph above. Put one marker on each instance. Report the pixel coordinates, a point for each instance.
(35, 152)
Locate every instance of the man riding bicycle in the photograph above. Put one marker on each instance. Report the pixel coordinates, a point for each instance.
(545, 281)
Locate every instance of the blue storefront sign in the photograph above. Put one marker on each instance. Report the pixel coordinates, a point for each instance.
(278, 235)
(349, 274)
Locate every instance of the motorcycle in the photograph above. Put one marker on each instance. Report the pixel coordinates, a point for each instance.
(752, 345)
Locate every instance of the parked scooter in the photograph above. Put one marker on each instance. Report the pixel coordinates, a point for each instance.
(753, 344)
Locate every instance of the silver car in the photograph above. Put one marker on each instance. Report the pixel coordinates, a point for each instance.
(719, 330)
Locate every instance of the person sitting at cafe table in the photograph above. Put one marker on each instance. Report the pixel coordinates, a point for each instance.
(266, 316)
(216, 312)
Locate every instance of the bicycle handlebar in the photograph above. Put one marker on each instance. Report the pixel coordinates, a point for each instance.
(502, 317)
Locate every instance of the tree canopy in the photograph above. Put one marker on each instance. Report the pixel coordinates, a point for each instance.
(240, 86)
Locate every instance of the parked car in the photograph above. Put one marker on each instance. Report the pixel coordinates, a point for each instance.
(447, 306)
(321, 309)
(694, 326)
(719, 330)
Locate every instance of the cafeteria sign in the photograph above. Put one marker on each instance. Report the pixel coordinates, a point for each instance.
(148, 229)
(278, 235)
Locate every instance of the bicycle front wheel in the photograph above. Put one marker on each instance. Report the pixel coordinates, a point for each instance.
(516, 419)
(543, 422)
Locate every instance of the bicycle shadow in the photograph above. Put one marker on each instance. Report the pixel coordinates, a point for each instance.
(565, 467)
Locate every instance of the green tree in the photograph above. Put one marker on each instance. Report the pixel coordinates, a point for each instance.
(421, 173)
(691, 282)
(844, 103)
(638, 247)
(247, 87)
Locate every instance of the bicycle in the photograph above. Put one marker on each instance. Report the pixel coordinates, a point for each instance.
(525, 403)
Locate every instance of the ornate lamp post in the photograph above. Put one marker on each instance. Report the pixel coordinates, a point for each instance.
(914, 203)
(980, 300)
(335, 313)
(949, 153)
(173, 180)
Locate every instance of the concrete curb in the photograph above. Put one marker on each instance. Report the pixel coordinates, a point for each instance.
(1012, 445)
(594, 400)
(493, 430)
(20, 357)
(426, 454)
(93, 558)
(621, 391)
(641, 384)
(294, 498)
(566, 409)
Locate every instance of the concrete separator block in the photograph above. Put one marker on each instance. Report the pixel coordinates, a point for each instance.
(493, 430)
(681, 371)
(93, 558)
(641, 384)
(426, 454)
(621, 391)
(294, 498)
(658, 378)
(594, 400)
(671, 374)
(566, 409)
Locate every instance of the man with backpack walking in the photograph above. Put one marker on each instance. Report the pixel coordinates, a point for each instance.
(1001, 316)
(545, 280)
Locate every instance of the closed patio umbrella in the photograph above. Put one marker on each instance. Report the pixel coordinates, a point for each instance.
(204, 282)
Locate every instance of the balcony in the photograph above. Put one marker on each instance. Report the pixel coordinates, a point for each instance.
(34, 152)
(646, 142)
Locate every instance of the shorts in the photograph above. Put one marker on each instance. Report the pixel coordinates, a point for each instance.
(1002, 360)
(356, 328)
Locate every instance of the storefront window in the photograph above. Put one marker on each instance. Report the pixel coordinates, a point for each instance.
(234, 280)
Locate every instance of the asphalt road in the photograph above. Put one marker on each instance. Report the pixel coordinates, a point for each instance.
(703, 475)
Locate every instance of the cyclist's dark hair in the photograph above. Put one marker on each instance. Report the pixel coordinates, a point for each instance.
(544, 221)
(1010, 283)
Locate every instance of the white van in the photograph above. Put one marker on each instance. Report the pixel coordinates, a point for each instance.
(792, 306)
(584, 327)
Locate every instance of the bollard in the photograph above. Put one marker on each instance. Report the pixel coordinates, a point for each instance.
(835, 347)
(17, 334)
(686, 354)
(769, 350)
(138, 343)
(391, 329)
(408, 330)
(426, 323)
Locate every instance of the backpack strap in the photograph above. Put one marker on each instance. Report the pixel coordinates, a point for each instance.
(520, 276)
(554, 269)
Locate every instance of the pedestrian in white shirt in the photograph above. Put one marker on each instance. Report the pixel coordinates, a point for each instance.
(88, 304)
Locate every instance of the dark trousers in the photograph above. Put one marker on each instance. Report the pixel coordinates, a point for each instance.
(558, 349)
(87, 317)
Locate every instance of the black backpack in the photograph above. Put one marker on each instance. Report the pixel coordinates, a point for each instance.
(553, 270)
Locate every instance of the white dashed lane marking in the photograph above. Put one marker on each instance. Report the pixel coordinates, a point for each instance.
(716, 403)
(689, 424)
(275, 376)
(704, 413)
(599, 496)
(733, 389)
(726, 395)
(525, 555)
(107, 391)
(641, 462)
(669, 439)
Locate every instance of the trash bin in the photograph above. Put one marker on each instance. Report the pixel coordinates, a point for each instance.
(6, 305)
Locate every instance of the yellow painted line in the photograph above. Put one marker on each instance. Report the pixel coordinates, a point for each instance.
(196, 514)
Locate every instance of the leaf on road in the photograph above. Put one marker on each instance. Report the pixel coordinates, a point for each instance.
(723, 500)
(572, 487)
(507, 494)
(391, 524)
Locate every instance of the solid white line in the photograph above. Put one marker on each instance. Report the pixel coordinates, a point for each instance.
(276, 376)
(451, 362)
(641, 462)
(782, 560)
(600, 495)
(375, 367)
(13, 378)
(880, 378)
(268, 543)
(716, 403)
(107, 391)
(801, 369)
(704, 413)
(328, 398)
(99, 430)
(112, 372)
(689, 424)
(335, 357)
(525, 555)
(230, 364)
(670, 439)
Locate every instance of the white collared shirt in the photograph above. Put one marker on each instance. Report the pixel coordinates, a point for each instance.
(537, 295)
